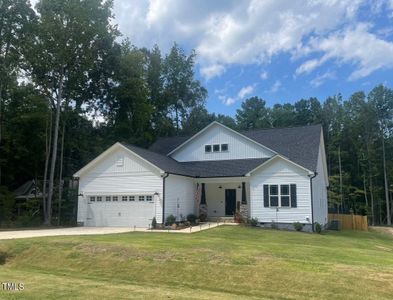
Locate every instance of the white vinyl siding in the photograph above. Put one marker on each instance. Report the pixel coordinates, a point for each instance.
(238, 147)
(280, 172)
(320, 203)
(179, 196)
(108, 178)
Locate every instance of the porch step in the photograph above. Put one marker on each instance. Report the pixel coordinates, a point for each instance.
(221, 219)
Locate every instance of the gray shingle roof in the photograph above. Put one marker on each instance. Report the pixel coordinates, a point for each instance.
(203, 169)
(223, 168)
(299, 144)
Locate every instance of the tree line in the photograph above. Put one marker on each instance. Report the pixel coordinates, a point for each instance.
(71, 85)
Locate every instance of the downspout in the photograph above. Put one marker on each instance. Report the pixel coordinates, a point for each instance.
(312, 200)
(163, 197)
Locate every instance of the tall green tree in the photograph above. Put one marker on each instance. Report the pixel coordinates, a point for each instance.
(182, 91)
(67, 40)
(129, 110)
(381, 99)
(16, 18)
(253, 113)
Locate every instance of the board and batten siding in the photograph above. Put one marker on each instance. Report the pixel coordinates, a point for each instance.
(179, 196)
(239, 147)
(319, 188)
(279, 172)
(120, 173)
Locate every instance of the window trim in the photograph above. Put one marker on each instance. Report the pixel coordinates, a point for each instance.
(219, 148)
(98, 197)
(149, 196)
(106, 198)
(279, 195)
(141, 197)
(286, 195)
(211, 148)
(226, 149)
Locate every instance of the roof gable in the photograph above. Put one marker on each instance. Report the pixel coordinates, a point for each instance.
(299, 144)
(100, 160)
(240, 146)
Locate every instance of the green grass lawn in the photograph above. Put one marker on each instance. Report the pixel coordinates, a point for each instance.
(223, 263)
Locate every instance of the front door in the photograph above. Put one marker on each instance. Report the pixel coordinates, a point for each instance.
(230, 202)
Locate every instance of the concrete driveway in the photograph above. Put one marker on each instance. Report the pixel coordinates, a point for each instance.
(18, 234)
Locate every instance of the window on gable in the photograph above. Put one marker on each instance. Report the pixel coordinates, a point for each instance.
(208, 148)
(115, 198)
(149, 198)
(141, 198)
(284, 194)
(92, 198)
(273, 195)
(216, 148)
(108, 198)
(224, 147)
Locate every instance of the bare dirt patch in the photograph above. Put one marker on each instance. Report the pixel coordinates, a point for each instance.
(387, 230)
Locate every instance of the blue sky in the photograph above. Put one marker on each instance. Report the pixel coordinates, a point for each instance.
(281, 51)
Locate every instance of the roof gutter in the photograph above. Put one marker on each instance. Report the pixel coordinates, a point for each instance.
(312, 200)
(163, 197)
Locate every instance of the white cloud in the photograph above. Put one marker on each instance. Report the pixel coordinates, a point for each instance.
(320, 79)
(242, 93)
(264, 75)
(212, 71)
(228, 101)
(245, 91)
(275, 87)
(231, 32)
(353, 45)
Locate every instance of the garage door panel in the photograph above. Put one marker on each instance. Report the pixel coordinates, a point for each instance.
(127, 214)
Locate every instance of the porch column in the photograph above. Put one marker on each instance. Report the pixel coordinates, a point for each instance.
(203, 205)
(243, 204)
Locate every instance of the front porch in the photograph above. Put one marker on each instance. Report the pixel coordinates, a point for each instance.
(219, 199)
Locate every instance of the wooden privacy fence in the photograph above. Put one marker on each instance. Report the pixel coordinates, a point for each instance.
(353, 222)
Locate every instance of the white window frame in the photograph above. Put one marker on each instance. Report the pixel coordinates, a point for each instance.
(100, 198)
(115, 198)
(286, 195)
(219, 148)
(131, 197)
(211, 148)
(106, 198)
(149, 196)
(92, 198)
(276, 195)
(227, 147)
(279, 195)
(141, 197)
(124, 198)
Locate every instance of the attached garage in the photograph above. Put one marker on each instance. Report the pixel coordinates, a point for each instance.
(120, 189)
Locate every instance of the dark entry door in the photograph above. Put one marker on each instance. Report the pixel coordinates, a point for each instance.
(230, 202)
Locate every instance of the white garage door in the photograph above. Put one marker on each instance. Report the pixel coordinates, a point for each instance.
(120, 210)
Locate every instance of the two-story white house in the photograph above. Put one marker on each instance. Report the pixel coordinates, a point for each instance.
(278, 176)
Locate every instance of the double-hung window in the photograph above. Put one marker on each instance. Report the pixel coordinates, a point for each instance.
(285, 199)
(273, 195)
(276, 195)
